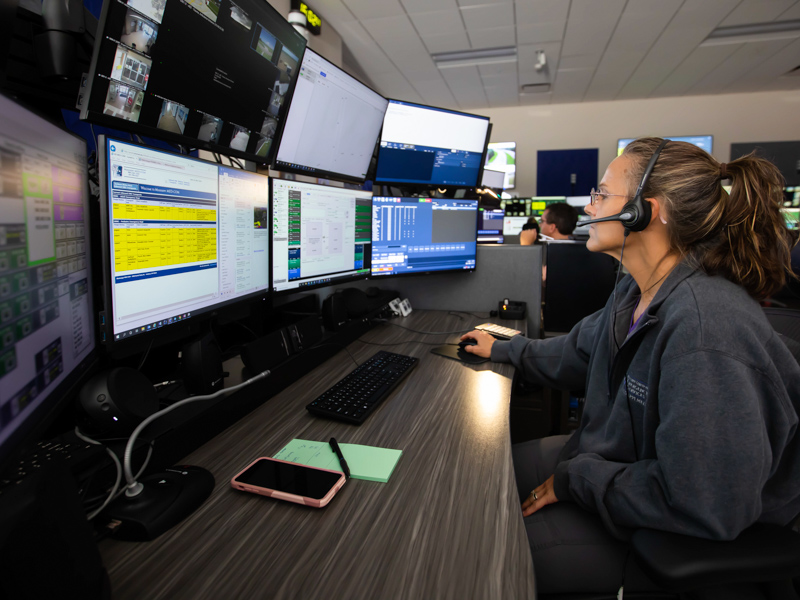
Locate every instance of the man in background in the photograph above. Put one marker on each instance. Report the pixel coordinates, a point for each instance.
(559, 221)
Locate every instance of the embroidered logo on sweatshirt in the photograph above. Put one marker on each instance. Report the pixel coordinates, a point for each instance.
(637, 391)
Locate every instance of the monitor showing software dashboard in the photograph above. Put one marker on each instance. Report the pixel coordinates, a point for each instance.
(333, 123)
(320, 235)
(47, 321)
(205, 74)
(490, 225)
(182, 237)
(431, 146)
(422, 235)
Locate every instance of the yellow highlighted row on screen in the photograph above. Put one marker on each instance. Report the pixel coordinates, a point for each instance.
(163, 213)
(147, 248)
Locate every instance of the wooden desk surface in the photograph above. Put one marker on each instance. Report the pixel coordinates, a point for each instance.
(447, 524)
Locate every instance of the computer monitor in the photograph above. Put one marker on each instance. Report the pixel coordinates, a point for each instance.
(182, 238)
(332, 125)
(513, 225)
(539, 204)
(493, 179)
(490, 225)
(431, 146)
(791, 196)
(704, 142)
(47, 319)
(321, 235)
(502, 156)
(204, 74)
(411, 236)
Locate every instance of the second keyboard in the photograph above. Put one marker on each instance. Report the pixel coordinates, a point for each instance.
(358, 393)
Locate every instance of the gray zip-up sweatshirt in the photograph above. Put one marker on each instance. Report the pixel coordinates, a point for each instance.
(691, 426)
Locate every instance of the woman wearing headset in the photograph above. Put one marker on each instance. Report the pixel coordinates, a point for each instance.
(692, 401)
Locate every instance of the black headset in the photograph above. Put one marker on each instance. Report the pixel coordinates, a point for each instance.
(635, 215)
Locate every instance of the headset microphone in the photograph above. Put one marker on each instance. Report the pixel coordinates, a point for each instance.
(624, 216)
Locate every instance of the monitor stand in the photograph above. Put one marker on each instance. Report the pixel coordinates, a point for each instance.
(167, 498)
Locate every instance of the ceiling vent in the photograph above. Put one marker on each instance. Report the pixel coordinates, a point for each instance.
(535, 88)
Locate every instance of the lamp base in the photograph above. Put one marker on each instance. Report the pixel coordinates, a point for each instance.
(167, 499)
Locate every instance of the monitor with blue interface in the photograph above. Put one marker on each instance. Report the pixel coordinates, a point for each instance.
(431, 146)
(502, 156)
(704, 142)
(490, 225)
(333, 123)
(182, 237)
(47, 321)
(422, 235)
(321, 235)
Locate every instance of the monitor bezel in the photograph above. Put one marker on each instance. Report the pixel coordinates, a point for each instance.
(432, 185)
(305, 288)
(320, 173)
(60, 397)
(160, 134)
(435, 271)
(173, 331)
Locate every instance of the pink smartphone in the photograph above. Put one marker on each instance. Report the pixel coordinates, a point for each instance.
(289, 481)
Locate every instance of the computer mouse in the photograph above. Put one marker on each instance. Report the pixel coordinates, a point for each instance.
(467, 342)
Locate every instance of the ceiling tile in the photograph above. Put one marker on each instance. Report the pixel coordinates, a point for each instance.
(482, 2)
(537, 11)
(791, 14)
(368, 9)
(771, 71)
(690, 26)
(435, 93)
(534, 33)
(488, 16)
(757, 11)
(396, 87)
(570, 84)
(502, 95)
(414, 6)
(447, 43)
(590, 25)
(696, 66)
(334, 11)
(492, 38)
(466, 85)
(442, 22)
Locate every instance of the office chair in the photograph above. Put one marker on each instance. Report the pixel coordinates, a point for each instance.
(767, 555)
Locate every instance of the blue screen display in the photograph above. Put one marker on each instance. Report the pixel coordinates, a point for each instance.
(420, 235)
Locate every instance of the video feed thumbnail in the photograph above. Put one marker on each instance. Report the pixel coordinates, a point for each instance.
(266, 136)
(241, 17)
(138, 32)
(131, 68)
(287, 63)
(173, 117)
(264, 42)
(208, 8)
(240, 138)
(210, 128)
(260, 217)
(150, 8)
(123, 102)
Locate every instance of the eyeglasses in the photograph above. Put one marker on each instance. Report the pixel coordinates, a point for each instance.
(596, 195)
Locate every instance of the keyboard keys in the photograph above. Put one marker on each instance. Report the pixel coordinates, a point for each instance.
(356, 395)
(498, 331)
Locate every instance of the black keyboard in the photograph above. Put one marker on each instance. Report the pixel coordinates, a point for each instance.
(356, 395)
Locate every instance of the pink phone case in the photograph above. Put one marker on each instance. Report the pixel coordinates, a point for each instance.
(283, 495)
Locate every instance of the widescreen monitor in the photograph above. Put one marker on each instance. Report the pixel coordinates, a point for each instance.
(182, 237)
(502, 156)
(47, 320)
(412, 236)
(490, 225)
(513, 225)
(321, 235)
(204, 74)
(493, 179)
(332, 125)
(705, 142)
(431, 146)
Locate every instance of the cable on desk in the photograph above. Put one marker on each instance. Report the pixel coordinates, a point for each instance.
(423, 332)
(146, 354)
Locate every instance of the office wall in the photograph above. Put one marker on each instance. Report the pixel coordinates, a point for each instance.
(730, 118)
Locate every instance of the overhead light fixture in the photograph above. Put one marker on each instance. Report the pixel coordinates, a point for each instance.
(466, 58)
(755, 32)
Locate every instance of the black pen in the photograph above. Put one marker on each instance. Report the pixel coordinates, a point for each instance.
(342, 461)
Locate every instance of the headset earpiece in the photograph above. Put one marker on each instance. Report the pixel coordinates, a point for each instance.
(641, 210)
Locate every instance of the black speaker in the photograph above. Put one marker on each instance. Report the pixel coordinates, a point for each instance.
(334, 311)
(266, 352)
(114, 402)
(201, 362)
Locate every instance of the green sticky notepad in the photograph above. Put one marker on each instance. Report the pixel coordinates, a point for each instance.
(365, 462)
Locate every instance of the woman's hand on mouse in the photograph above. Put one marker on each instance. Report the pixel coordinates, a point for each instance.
(484, 346)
